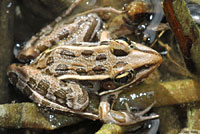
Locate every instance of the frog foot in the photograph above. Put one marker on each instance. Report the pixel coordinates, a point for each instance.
(107, 115)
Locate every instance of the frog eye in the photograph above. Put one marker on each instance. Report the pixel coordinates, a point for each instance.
(124, 77)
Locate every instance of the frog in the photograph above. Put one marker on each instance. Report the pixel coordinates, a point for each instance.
(67, 65)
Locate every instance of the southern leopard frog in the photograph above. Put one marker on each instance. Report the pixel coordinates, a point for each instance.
(61, 76)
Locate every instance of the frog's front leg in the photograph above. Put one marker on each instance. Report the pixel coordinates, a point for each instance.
(48, 91)
(107, 115)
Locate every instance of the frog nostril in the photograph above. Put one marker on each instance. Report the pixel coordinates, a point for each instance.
(101, 57)
(13, 78)
(143, 68)
(99, 69)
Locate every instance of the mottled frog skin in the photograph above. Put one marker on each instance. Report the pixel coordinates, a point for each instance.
(67, 66)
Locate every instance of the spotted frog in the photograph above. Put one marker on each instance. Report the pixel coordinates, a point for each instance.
(68, 65)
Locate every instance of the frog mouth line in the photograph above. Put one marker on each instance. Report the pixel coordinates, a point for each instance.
(141, 73)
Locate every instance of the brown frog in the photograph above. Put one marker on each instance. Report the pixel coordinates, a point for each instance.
(62, 75)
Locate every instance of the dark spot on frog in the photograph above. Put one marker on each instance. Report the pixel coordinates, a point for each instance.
(101, 57)
(13, 78)
(99, 69)
(42, 87)
(119, 64)
(47, 72)
(81, 71)
(61, 69)
(50, 60)
(67, 53)
(27, 91)
(63, 34)
(25, 58)
(41, 47)
(32, 83)
(52, 42)
(21, 72)
(119, 52)
(87, 52)
(60, 93)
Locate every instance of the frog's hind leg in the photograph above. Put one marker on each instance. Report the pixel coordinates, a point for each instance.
(107, 115)
(48, 91)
